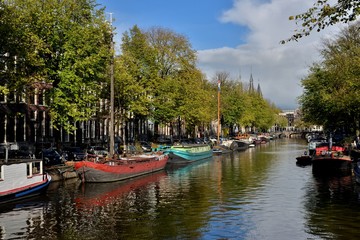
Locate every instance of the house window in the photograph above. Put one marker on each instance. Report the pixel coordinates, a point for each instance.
(11, 97)
(40, 97)
(31, 97)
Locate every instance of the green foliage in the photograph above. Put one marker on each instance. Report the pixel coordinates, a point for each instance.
(135, 73)
(324, 14)
(331, 90)
(192, 98)
(232, 102)
(178, 91)
(281, 121)
(64, 43)
(244, 108)
(156, 77)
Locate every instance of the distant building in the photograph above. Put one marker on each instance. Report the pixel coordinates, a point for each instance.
(292, 116)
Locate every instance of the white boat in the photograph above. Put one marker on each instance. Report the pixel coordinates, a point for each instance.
(22, 178)
(230, 144)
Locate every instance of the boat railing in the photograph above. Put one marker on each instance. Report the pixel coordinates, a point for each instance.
(326, 153)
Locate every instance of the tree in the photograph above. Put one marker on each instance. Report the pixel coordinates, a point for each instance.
(324, 14)
(280, 121)
(232, 100)
(65, 44)
(178, 82)
(194, 99)
(136, 73)
(331, 90)
(136, 78)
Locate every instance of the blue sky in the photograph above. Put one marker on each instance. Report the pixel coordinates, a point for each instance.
(199, 20)
(240, 37)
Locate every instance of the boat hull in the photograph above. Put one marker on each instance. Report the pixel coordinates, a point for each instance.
(26, 191)
(118, 170)
(304, 160)
(219, 150)
(323, 165)
(331, 160)
(241, 145)
(191, 153)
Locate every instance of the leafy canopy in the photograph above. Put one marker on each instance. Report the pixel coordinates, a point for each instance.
(64, 44)
(331, 90)
(324, 13)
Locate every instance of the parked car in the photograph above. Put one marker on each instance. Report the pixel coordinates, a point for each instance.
(145, 146)
(51, 157)
(16, 150)
(98, 151)
(74, 154)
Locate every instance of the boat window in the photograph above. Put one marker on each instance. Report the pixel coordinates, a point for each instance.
(29, 170)
(1, 173)
(36, 168)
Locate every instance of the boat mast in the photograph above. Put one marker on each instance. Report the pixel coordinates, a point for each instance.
(111, 125)
(218, 127)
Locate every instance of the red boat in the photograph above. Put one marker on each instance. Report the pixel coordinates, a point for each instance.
(113, 170)
(331, 159)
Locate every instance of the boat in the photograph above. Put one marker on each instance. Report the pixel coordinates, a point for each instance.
(217, 151)
(188, 153)
(117, 169)
(356, 170)
(241, 145)
(263, 138)
(328, 159)
(220, 149)
(244, 137)
(22, 178)
(61, 172)
(229, 144)
(304, 160)
(316, 142)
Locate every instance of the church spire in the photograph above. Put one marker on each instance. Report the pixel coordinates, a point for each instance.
(259, 90)
(251, 84)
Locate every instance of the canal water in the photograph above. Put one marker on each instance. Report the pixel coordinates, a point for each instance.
(259, 193)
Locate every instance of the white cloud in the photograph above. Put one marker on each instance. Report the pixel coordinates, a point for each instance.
(277, 67)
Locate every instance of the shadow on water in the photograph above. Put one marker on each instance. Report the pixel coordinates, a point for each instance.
(332, 206)
(27, 203)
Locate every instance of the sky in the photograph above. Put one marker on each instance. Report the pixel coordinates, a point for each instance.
(240, 37)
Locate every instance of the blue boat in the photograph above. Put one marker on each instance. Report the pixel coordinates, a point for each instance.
(188, 153)
(22, 178)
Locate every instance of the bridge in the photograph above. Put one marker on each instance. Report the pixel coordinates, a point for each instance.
(296, 134)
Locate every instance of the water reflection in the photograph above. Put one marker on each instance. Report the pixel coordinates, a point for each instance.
(21, 220)
(96, 195)
(259, 193)
(332, 206)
